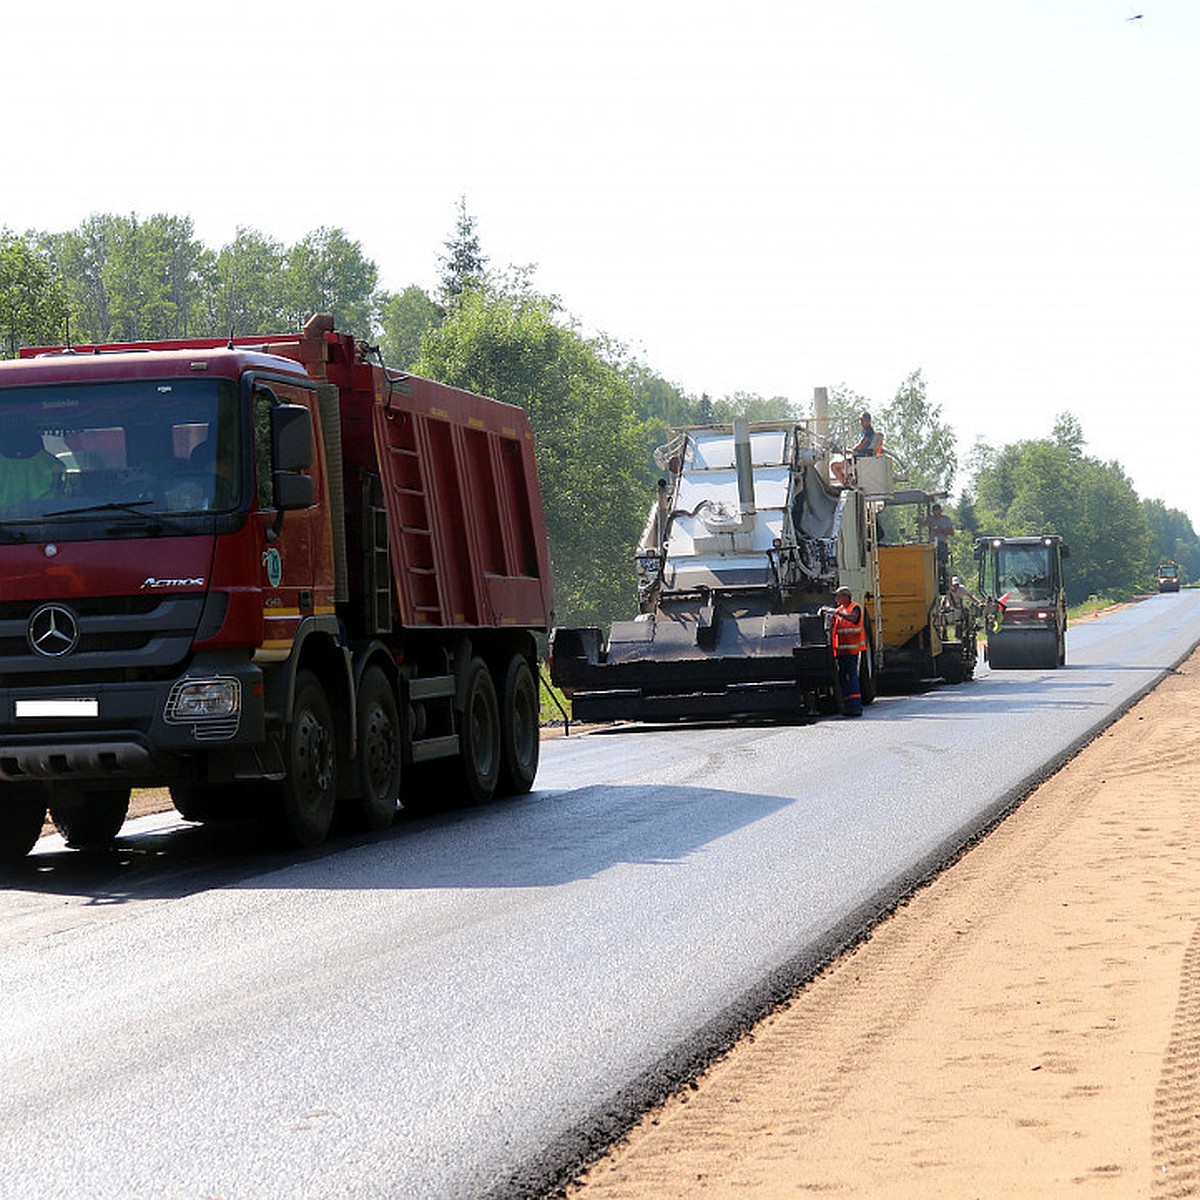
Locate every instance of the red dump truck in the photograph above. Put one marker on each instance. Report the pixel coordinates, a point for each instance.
(267, 573)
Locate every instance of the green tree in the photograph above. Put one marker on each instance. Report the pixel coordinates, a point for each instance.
(464, 265)
(83, 256)
(660, 406)
(1050, 486)
(913, 430)
(1068, 433)
(173, 271)
(404, 319)
(658, 401)
(32, 305)
(1171, 539)
(247, 292)
(326, 271)
(517, 345)
(130, 279)
(752, 407)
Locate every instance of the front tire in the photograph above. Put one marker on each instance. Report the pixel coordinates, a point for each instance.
(22, 815)
(95, 822)
(205, 802)
(520, 729)
(306, 797)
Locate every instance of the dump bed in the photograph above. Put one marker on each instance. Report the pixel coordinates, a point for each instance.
(440, 492)
(467, 530)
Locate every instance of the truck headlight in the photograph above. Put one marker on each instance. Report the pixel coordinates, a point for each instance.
(204, 700)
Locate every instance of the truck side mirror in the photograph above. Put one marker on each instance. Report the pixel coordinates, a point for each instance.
(292, 490)
(291, 456)
(291, 438)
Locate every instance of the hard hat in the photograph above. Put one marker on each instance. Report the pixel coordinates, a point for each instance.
(842, 589)
(955, 581)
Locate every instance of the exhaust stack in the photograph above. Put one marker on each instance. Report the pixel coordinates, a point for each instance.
(744, 466)
(821, 413)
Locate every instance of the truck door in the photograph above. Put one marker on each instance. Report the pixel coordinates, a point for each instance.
(295, 554)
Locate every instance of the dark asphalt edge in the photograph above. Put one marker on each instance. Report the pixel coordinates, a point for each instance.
(565, 1159)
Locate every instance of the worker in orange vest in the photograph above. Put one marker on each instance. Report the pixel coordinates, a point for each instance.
(848, 634)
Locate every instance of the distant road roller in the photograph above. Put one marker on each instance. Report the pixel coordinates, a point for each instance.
(1168, 577)
(1025, 601)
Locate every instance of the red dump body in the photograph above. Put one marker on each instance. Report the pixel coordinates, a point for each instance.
(460, 489)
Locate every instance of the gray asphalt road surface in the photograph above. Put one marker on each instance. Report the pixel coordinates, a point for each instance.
(465, 1005)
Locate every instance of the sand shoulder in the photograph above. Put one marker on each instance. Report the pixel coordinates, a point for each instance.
(1026, 1025)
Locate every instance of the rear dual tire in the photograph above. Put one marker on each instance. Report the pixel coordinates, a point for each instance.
(521, 732)
(380, 753)
(479, 754)
(499, 742)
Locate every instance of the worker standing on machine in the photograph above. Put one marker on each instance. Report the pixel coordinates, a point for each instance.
(848, 633)
(941, 530)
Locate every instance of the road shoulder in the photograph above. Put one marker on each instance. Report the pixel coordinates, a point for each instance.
(1028, 1023)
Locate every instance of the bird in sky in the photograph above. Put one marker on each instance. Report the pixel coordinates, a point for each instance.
(1135, 17)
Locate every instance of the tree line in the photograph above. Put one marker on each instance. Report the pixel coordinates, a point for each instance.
(598, 412)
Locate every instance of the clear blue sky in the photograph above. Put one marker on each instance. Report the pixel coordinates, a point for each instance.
(762, 196)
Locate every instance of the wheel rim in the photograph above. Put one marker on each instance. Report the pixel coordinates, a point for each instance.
(481, 729)
(526, 730)
(314, 752)
(380, 749)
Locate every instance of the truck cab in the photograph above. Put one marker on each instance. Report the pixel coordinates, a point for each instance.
(149, 569)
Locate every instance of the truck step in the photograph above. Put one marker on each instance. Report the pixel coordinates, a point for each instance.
(438, 747)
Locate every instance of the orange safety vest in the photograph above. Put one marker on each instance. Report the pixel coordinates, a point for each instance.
(849, 630)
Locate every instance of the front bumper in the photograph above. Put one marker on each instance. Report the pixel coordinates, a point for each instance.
(83, 735)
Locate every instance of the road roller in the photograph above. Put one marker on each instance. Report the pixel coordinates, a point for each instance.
(1025, 602)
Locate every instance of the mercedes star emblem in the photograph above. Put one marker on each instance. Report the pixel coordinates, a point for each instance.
(53, 630)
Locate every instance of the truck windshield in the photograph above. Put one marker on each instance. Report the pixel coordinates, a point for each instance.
(1025, 572)
(141, 446)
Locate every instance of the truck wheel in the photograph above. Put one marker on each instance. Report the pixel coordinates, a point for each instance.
(520, 729)
(93, 824)
(306, 796)
(479, 736)
(379, 752)
(193, 801)
(22, 814)
(213, 801)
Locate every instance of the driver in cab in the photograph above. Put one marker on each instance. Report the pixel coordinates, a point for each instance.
(28, 471)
